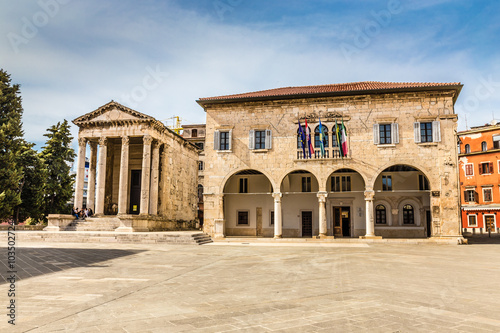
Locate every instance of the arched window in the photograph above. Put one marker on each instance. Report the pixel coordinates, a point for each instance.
(484, 146)
(334, 136)
(299, 138)
(380, 215)
(194, 133)
(467, 148)
(408, 215)
(316, 136)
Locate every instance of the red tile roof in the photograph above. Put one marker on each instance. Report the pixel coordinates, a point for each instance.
(338, 88)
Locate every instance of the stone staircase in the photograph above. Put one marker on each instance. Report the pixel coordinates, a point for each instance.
(165, 237)
(93, 224)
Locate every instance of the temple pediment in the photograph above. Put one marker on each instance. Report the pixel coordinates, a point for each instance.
(112, 112)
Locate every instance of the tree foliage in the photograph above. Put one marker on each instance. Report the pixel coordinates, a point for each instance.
(11, 134)
(57, 156)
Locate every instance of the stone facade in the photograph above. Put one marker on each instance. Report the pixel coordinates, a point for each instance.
(144, 173)
(405, 188)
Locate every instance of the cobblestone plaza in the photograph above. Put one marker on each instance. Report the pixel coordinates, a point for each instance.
(323, 287)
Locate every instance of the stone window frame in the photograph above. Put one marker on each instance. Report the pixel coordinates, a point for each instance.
(238, 224)
(484, 146)
(490, 168)
(467, 195)
(496, 141)
(394, 128)
(484, 189)
(217, 132)
(471, 165)
(416, 212)
(268, 139)
(435, 130)
(468, 221)
(388, 212)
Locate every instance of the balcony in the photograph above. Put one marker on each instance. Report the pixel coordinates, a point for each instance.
(330, 154)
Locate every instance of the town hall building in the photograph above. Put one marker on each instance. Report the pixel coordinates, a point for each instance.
(396, 176)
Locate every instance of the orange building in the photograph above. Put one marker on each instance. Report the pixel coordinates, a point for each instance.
(479, 167)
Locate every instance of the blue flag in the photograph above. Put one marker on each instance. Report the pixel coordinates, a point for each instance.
(302, 140)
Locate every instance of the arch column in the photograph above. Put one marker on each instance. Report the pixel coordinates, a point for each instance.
(101, 176)
(219, 222)
(278, 221)
(80, 173)
(370, 223)
(322, 213)
(91, 184)
(123, 182)
(146, 172)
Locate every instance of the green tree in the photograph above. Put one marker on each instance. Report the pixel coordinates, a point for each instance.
(32, 184)
(58, 155)
(11, 134)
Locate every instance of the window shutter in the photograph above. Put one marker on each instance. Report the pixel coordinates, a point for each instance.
(416, 130)
(376, 134)
(269, 139)
(251, 140)
(465, 196)
(480, 169)
(491, 167)
(436, 131)
(395, 133)
(216, 140)
(476, 197)
(230, 138)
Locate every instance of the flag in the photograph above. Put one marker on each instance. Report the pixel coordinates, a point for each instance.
(302, 140)
(322, 139)
(308, 141)
(344, 139)
(337, 135)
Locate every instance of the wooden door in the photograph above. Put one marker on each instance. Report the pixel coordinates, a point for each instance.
(490, 223)
(307, 224)
(337, 221)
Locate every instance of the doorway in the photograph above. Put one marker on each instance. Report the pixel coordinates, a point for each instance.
(341, 221)
(135, 192)
(307, 224)
(429, 224)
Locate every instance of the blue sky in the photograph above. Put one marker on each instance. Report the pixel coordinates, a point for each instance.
(158, 57)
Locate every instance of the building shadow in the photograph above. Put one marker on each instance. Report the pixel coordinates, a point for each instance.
(483, 239)
(31, 262)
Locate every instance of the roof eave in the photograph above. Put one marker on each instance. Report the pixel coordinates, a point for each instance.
(457, 88)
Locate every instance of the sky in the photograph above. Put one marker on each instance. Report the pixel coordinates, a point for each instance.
(159, 56)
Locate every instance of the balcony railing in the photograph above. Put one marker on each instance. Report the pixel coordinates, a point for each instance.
(330, 153)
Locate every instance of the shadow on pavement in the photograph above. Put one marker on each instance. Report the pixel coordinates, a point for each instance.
(30, 262)
(483, 239)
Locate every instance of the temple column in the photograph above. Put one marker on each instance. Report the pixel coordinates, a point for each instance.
(278, 221)
(80, 173)
(146, 172)
(101, 176)
(322, 213)
(153, 202)
(123, 185)
(91, 184)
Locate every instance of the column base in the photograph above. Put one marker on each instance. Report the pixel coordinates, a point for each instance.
(278, 236)
(370, 237)
(124, 229)
(326, 237)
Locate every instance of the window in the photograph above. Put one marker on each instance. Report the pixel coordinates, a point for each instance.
(271, 220)
(243, 185)
(306, 184)
(472, 220)
(334, 137)
(484, 146)
(469, 169)
(200, 165)
(423, 183)
(194, 133)
(380, 215)
(222, 140)
(341, 183)
(408, 216)
(470, 196)
(386, 183)
(259, 139)
(496, 141)
(467, 149)
(242, 218)
(459, 149)
(317, 141)
(200, 193)
(487, 195)
(385, 134)
(199, 145)
(299, 138)
(485, 168)
(427, 132)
